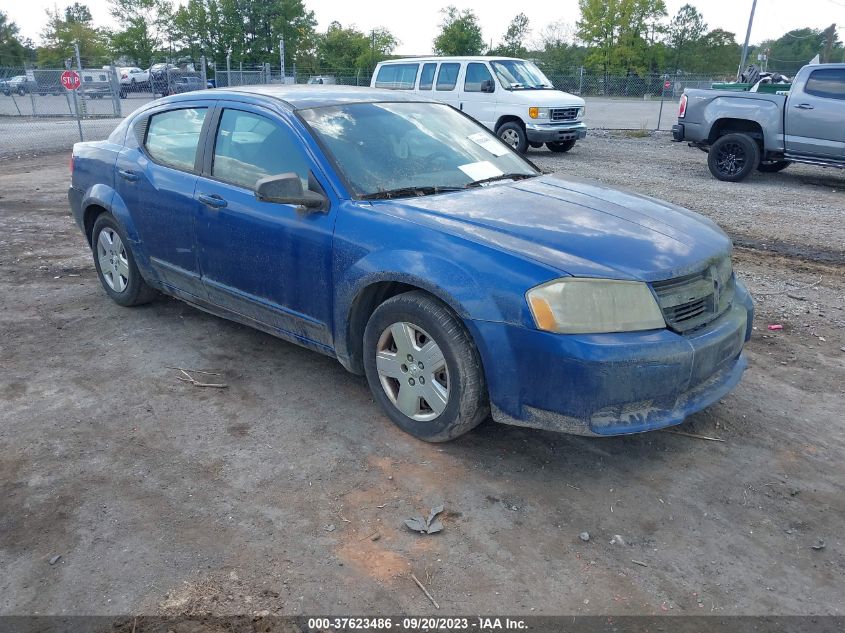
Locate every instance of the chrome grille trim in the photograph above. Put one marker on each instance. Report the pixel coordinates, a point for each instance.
(563, 114)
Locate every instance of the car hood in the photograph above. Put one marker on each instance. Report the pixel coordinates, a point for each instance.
(543, 98)
(578, 227)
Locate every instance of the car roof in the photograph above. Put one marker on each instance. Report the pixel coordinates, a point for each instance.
(435, 58)
(301, 96)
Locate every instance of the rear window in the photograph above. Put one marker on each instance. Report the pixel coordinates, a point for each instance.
(427, 76)
(828, 83)
(397, 76)
(173, 137)
(447, 77)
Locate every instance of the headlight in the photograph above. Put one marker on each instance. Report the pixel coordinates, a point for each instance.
(586, 306)
(538, 113)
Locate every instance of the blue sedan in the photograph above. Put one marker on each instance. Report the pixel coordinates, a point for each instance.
(402, 238)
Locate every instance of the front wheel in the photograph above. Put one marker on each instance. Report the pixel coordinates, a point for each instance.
(733, 156)
(423, 368)
(513, 134)
(772, 166)
(561, 146)
(116, 265)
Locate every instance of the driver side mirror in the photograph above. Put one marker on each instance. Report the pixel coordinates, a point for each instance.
(487, 85)
(287, 189)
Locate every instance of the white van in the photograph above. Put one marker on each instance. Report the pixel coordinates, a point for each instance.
(510, 96)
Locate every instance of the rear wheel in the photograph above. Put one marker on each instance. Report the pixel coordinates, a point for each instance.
(733, 156)
(771, 166)
(513, 134)
(116, 265)
(561, 146)
(423, 368)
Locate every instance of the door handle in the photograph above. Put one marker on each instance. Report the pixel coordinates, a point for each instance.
(804, 106)
(212, 200)
(126, 174)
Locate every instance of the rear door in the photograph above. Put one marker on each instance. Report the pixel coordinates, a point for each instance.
(479, 105)
(815, 117)
(156, 173)
(446, 84)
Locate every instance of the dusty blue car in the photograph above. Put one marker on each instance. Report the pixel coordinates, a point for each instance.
(402, 238)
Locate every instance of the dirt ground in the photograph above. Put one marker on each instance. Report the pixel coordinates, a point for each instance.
(286, 493)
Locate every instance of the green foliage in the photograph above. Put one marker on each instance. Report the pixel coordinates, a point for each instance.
(513, 44)
(460, 33)
(63, 28)
(12, 50)
(797, 47)
(343, 49)
(685, 32)
(142, 29)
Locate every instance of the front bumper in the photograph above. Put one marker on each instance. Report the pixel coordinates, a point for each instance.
(555, 132)
(611, 384)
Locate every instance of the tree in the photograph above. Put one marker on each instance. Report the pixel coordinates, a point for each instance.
(716, 52)
(144, 25)
(513, 44)
(685, 30)
(63, 29)
(460, 33)
(556, 48)
(12, 50)
(797, 47)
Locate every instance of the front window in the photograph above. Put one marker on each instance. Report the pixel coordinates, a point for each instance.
(389, 150)
(477, 74)
(518, 74)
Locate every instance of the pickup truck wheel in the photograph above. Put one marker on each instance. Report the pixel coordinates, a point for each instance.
(423, 368)
(562, 146)
(771, 166)
(513, 134)
(733, 156)
(116, 265)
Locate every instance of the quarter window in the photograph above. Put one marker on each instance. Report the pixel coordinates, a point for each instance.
(249, 147)
(427, 76)
(397, 76)
(476, 75)
(447, 76)
(173, 137)
(828, 83)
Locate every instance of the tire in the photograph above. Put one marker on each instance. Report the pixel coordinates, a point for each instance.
(123, 281)
(561, 146)
(513, 135)
(456, 385)
(772, 166)
(733, 156)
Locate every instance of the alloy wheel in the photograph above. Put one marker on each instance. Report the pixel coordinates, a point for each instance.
(412, 371)
(730, 158)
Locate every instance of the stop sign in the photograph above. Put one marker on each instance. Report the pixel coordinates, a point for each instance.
(70, 80)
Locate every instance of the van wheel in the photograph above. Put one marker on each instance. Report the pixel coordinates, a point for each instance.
(513, 134)
(562, 146)
(733, 156)
(423, 368)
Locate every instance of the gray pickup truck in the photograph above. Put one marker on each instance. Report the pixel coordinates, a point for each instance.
(743, 131)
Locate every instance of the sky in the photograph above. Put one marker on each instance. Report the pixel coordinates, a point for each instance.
(415, 24)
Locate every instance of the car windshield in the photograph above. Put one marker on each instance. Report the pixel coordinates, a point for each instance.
(517, 74)
(387, 150)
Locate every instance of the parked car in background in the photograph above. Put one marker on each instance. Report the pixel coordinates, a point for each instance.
(96, 84)
(134, 77)
(41, 84)
(159, 78)
(187, 83)
(9, 85)
(744, 131)
(320, 80)
(510, 96)
(399, 236)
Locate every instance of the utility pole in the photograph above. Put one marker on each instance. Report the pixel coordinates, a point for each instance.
(747, 38)
(282, 56)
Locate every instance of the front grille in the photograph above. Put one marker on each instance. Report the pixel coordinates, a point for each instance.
(692, 301)
(564, 114)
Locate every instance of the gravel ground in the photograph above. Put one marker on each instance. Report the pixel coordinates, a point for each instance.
(286, 492)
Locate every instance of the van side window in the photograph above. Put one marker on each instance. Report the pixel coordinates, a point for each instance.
(476, 74)
(397, 76)
(173, 137)
(427, 76)
(447, 76)
(828, 83)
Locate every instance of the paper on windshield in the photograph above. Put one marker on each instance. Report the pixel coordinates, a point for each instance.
(481, 170)
(489, 143)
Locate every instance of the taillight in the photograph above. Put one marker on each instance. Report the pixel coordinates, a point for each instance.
(682, 107)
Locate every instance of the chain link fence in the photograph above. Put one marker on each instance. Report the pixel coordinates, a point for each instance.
(38, 114)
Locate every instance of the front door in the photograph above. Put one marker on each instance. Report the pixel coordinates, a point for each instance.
(815, 119)
(266, 261)
(481, 106)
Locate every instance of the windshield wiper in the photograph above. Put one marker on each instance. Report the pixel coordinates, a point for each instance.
(405, 192)
(484, 181)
